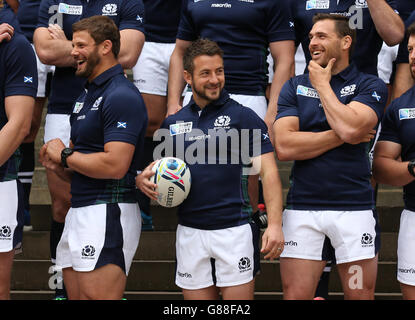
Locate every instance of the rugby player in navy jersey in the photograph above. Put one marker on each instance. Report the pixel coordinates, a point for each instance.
(216, 244)
(325, 121)
(108, 122)
(374, 21)
(52, 39)
(27, 13)
(403, 77)
(244, 30)
(150, 75)
(394, 164)
(18, 83)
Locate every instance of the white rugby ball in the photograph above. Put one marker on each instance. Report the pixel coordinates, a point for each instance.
(173, 180)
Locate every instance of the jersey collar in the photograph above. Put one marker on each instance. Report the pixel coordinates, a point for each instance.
(106, 75)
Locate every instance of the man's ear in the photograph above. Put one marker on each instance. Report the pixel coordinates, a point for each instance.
(106, 47)
(187, 77)
(347, 42)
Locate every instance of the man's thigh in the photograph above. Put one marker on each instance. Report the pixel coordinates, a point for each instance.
(300, 277)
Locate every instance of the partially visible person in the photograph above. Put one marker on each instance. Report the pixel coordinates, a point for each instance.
(394, 164)
(18, 83)
(150, 76)
(403, 80)
(108, 122)
(216, 243)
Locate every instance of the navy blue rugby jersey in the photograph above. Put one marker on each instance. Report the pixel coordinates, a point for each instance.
(217, 146)
(7, 16)
(340, 178)
(243, 29)
(127, 14)
(18, 76)
(369, 43)
(398, 125)
(27, 15)
(110, 109)
(162, 20)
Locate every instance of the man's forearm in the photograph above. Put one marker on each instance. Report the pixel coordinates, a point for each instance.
(176, 81)
(300, 145)
(387, 22)
(391, 171)
(53, 51)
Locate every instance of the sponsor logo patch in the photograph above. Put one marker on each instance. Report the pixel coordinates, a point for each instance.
(407, 113)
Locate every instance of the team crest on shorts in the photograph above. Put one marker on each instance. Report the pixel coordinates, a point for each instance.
(367, 240)
(5, 233)
(88, 252)
(244, 264)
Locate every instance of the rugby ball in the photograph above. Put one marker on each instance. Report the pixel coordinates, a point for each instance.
(173, 180)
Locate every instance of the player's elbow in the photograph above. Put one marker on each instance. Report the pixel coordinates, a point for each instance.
(128, 61)
(118, 172)
(351, 136)
(283, 152)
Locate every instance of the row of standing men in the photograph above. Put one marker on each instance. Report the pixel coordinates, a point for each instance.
(244, 31)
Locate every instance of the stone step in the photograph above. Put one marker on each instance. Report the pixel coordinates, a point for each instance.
(159, 275)
(160, 245)
(166, 220)
(162, 296)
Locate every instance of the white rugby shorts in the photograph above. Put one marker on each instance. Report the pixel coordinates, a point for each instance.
(42, 74)
(406, 247)
(314, 235)
(224, 257)
(258, 104)
(150, 74)
(58, 126)
(97, 235)
(12, 216)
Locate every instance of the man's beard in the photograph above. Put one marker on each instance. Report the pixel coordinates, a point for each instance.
(92, 61)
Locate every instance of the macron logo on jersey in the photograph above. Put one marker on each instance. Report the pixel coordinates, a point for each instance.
(307, 92)
(221, 5)
(408, 113)
(27, 79)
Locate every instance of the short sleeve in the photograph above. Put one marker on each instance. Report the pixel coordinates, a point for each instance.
(132, 15)
(124, 117)
(287, 101)
(21, 70)
(373, 92)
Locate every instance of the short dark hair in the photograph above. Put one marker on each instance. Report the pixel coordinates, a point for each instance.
(341, 24)
(100, 28)
(411, 30)
(197, 48)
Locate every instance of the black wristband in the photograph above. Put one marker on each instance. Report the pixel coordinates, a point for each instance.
(64, 155)
(411, 165)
